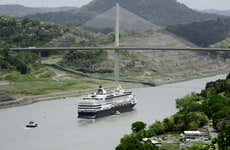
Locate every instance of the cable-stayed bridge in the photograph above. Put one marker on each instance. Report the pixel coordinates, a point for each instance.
(117, 47)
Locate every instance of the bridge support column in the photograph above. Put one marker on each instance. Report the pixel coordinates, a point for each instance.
(117, 53)
(116, 65)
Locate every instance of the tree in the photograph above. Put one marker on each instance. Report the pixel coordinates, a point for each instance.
(86, 61)
(213, 104)
(138, 126)
(195, 120)
(228, 76)
(189, 103)
(149, 146)
(169, 124)
(223, 139)
(129, 142)
(22, 68)
(221, 117)
(3, 63)
(158, 128)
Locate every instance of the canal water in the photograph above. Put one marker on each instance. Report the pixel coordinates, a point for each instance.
(60, 129)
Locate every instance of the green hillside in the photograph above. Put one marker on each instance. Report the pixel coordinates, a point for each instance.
(33, 33)
(25, 32)
(21, 71)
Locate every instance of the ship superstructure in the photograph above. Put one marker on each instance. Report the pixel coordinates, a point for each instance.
(103, 103)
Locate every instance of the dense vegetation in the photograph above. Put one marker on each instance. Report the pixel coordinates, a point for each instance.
(16, 61)
(203, 33)
(25, 33)
(195, 111)
(88, 61)
(25, 75)
(160, 12)
(32, 33)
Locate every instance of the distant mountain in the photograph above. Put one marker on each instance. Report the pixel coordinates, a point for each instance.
(20, 11)
(71, 17)
(218, 12)
(128, 22)
(203, 33)
(160, 12)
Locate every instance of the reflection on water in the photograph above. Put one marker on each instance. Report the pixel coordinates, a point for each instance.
(60, 129)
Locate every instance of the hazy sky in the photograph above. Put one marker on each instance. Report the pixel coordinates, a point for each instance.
(207, 4)
(47, 3)
(195, 4)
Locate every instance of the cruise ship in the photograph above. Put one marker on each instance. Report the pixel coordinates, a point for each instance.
(103, 103)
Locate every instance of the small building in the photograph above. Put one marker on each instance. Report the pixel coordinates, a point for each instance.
(155, 142)
(196, 136)
(152, 141)
(192, 135)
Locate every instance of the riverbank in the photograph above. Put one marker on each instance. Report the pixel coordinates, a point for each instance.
(49, 83)
(26, 100)
(205, 75)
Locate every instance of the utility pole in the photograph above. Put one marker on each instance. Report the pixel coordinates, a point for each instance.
(117, 53)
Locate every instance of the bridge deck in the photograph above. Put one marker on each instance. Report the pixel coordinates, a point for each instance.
(117, 48)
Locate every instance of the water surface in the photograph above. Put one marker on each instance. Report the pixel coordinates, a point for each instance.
(60, 129)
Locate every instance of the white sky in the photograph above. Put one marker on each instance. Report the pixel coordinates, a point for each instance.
(195, 4)
(207, 4)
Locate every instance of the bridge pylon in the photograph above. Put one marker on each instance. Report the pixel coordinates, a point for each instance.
(117, 51)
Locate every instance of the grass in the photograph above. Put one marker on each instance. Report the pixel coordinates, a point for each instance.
(43, 86)
(170, 147)
(41, 81)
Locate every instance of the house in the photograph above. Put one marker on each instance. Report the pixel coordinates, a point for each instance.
(153, 141)
(191, 137)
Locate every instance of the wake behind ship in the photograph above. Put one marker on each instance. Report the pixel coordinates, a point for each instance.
(103, 103)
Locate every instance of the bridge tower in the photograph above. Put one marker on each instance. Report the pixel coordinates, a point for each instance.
(117, 38)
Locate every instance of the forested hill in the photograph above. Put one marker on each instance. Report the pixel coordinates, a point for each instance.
(24, 33)
(19, 10)
(33, 33)
(203, 33)
(160, 12)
